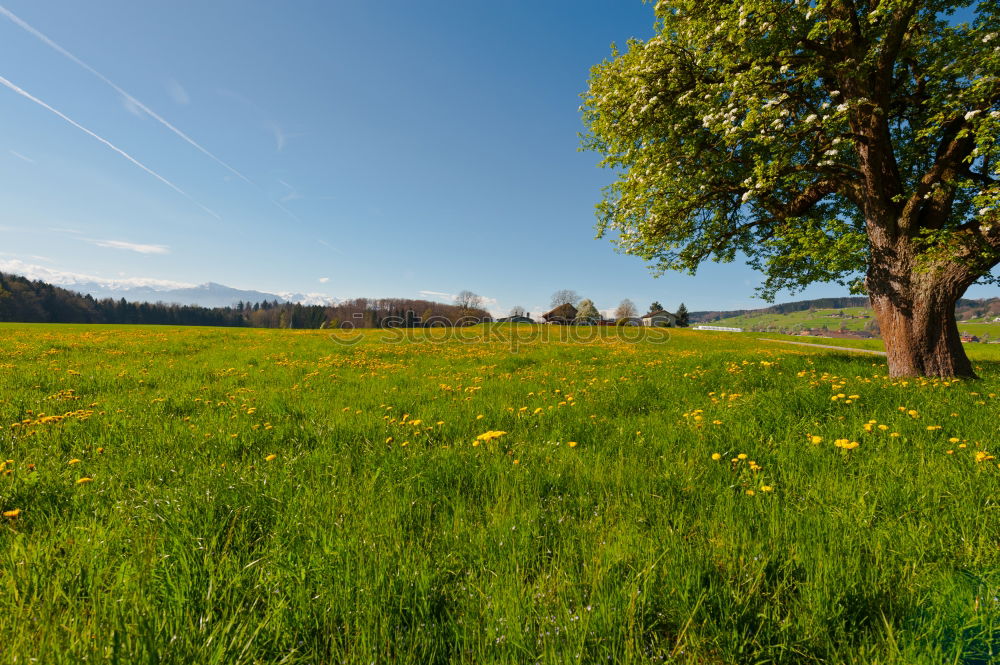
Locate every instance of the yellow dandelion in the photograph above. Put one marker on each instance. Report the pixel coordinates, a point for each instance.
(571, 444)
(271, 458)
(766, 488)
(716, 456)
(741, 456)
(816, 440)
(12, 513)
(750, 492)
(480, 417)
(85, 479)
(74, 461)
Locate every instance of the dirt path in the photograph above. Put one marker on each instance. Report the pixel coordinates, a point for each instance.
(823, 346)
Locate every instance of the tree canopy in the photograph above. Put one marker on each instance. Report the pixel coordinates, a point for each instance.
(586, 311)
(734, 129)
(564, 297)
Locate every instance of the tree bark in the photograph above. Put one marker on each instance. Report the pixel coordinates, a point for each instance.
(916, 315)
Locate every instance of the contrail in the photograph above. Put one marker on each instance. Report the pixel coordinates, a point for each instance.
(109, 144)
(42, 37)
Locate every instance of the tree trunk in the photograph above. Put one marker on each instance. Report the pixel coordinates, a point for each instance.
(917, 318)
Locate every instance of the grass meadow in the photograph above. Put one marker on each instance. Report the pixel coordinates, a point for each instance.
(185, 495)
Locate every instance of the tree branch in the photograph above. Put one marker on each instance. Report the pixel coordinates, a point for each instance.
(891, 45)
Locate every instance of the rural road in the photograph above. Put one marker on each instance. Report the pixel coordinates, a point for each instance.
(823, 346)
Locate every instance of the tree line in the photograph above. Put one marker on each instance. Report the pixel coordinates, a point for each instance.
(33, 301)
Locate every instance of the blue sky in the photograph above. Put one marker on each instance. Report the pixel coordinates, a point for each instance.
(353, 148)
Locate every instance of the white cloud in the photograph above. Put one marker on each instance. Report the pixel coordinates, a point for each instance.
(132, 246)
(280, 138)
(178, 93)
(21, 157)
(438, 294)
(67, 278)
(324, 280)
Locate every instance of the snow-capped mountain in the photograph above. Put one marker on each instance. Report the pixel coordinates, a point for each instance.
(152, 290)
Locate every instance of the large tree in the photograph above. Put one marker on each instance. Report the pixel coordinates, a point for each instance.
(626, 310)
(826, 140)
(683, 317)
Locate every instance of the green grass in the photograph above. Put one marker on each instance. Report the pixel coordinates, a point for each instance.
(369, 538)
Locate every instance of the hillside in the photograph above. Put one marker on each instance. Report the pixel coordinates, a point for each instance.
(980, 311)
(856, 318)
(782, 308)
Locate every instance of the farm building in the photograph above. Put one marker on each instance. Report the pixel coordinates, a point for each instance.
(661, 318)
(563, 314)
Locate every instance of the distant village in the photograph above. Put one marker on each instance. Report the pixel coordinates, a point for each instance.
(586, 314)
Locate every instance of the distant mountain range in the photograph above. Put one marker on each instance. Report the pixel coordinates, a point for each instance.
(203, 295)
